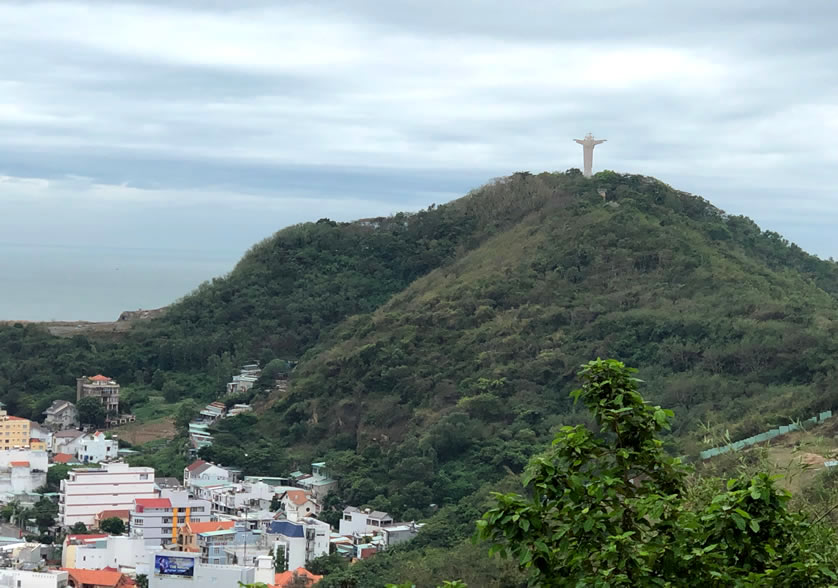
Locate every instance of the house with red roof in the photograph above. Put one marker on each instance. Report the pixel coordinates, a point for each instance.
(64, 458)
(201, 537)
(296, 578)
(105, 578)
(298, 504)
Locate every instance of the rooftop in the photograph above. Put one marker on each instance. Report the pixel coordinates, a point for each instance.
(153, 502)
(68, 434)
(100, 378)
(287, 578)
(97, 578)
(111, 514)
(298, 497)
(209, 526)
(63, 458)
(19, 464)
(218, 533)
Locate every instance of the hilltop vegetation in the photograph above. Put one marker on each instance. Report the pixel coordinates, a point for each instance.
(436, 349)
(455, 379)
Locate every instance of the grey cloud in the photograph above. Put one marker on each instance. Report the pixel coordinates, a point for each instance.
(433, 98)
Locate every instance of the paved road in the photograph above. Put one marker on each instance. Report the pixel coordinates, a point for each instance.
(9, 531)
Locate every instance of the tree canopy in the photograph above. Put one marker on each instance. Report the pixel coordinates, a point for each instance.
(610, 508)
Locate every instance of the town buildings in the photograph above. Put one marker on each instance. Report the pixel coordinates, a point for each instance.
(104, 578)
(102, 388)
(97, 448)
(66, 441)
(28, 579)
(187, 535)
(175, 569)
(318, 483)
(22, 470)
(61, 414)
(208, 472)
(208, 539)
(157, 520)
(302, 540)
(14, 431)
(94, 552)
(245, 380)
(359, 522)
(114, 486)
(298, 504)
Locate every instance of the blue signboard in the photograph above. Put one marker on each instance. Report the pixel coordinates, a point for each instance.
(168, 565)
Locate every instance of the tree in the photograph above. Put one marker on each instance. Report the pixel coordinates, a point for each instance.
(78, 529)
(142, 581)
(185, 413)
(44, 513)
(56, 473)
(113, 526)
(612, 509)
(91, 411)
(279, 560)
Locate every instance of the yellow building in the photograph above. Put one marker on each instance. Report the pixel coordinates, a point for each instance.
(14, 431)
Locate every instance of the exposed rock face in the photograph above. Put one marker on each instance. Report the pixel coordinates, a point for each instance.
(133, 315)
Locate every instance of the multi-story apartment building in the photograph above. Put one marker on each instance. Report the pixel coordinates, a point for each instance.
(14, 431)
(114, 486)
(101, 387)
(157, 520)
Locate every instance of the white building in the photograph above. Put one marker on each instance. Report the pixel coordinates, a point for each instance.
(298, 504)
(234, 499)
(23, 579)
(22, 470)
(115, 486)
(129, 555)
(208, 472)
(303, 540)
(156, 520)
(360, 522)
(173, 568)
(38, 460)
(97, 448)
(67, 441)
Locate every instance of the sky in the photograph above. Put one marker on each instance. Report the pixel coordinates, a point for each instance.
(192, 129)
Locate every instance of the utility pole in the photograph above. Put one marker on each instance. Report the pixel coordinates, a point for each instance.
(246, 531)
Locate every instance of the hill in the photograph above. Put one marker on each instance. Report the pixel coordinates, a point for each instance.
(456, 377)
(436, 350)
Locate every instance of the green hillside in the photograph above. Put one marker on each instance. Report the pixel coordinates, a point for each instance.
(458, 377)
(436, 350)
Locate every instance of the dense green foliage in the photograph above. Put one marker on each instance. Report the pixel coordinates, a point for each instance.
(436, 349)
(455, 379)
(612, 509)
(112, 526)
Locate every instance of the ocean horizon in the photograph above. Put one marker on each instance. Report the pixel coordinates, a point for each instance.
(85, 283)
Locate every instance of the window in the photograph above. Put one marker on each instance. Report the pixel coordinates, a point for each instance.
(143, 476)
(138, 522)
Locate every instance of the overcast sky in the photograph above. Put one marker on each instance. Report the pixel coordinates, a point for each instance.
(208, 125)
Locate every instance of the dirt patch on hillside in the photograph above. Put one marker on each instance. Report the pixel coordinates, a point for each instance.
(139, 433)
(124, 323)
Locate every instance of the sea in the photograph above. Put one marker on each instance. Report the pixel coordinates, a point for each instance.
(86, 283)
